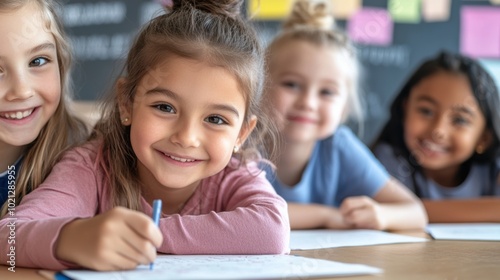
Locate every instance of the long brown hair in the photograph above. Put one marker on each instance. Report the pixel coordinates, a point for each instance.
(208, 31)
(63, 130)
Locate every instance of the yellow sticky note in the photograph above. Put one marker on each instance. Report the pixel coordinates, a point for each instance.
(269, 9)
(495, 2)
(405, 10)
(436, 10)
(343, 9)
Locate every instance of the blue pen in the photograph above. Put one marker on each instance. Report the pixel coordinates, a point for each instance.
(156, 220)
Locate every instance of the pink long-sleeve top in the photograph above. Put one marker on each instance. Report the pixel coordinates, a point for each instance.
(232, 212)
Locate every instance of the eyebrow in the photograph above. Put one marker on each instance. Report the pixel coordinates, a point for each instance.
(172, 95)
(328, 81)
(426, 98)
(458, 108)
(464, 109)
(44, 46)
(162, 91)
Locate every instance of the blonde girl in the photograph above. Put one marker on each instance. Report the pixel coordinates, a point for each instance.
(35, 124)
(329, 178)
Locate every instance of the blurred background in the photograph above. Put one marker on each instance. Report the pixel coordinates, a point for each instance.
(392, 37)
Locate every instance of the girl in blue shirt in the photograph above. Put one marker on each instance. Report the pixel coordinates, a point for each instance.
(329, 178)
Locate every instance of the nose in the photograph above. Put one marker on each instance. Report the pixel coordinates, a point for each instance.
(19, 86)
(186, 134)
(439, 129)
(308, 99)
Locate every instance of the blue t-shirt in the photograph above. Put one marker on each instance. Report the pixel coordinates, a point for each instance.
(340, 166)
(4, 180)
(481, 180)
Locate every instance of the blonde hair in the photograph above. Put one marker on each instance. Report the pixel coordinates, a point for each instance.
(63, 130)
(208, 31)
(312, 21)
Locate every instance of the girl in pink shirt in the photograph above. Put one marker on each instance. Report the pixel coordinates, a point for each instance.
(182, 127)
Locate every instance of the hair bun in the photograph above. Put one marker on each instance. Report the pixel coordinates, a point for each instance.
(311, 13)
(229, 8)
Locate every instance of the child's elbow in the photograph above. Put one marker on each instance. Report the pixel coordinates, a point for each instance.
(419, 214)
(277, 236)
(423, 213)
(281, 244)
(275, 242)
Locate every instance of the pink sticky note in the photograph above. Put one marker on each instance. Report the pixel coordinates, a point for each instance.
(371, 26)
(480, 31)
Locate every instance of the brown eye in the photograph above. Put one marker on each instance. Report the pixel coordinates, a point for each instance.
(39, 61)
(167, 108)
(425, 111)
(216, 120)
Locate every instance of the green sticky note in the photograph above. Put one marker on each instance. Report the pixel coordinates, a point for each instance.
(405, 10)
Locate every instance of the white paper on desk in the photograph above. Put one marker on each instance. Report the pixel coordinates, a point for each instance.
(465, 231)
(231, 267)
(330, 238)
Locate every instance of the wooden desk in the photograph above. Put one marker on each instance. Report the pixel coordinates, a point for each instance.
(451, 260)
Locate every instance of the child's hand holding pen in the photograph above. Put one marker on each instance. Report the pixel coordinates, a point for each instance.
(119, 239)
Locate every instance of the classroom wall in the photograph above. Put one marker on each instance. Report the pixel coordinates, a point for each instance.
(101, 32)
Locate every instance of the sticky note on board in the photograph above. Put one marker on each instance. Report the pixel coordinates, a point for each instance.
(480, 31)
(407, 11)
(371, 26)
(493, 68)
(343, 9)
(269, 9)
(495, 2)
(436, 10)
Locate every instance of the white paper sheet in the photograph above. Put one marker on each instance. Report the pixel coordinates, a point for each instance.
(231, 267)
(318, 239)
(479, 231)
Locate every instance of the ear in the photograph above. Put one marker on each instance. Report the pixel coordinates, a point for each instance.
(124, 103)
(484, 141)
(245, 131)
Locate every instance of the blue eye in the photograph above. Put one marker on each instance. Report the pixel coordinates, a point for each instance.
(167, 108)
(39, 61)
(216, 120)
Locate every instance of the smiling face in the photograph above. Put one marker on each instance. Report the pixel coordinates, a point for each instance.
(309, 90)
(186, 118)
(443, 122)
(30, 86)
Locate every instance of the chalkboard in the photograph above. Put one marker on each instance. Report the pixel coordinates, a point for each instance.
(101, 32)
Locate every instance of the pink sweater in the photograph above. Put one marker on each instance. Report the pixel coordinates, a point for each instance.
(231, 212)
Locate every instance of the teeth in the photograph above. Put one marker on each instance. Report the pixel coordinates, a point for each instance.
(180, 159)
(16, 115)
(433, 147)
